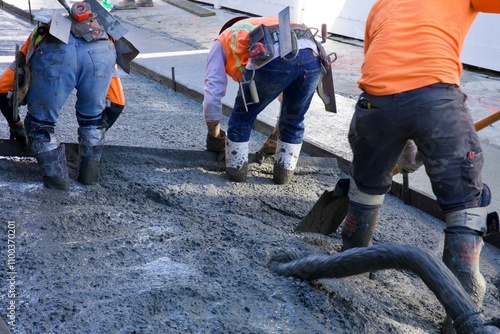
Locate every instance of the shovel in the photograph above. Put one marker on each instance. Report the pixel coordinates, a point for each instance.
(329, 211)
(331, 208)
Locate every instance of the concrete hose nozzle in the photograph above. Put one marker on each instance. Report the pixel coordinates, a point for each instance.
(433, 272)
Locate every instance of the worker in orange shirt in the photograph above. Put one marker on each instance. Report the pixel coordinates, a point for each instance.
(410, 79)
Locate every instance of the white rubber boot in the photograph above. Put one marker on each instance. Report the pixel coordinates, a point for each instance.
(285, 161)
(236, 160)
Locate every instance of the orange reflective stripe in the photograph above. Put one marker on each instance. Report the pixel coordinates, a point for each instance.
(115, 91)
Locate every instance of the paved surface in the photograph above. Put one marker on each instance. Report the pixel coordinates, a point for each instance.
(174, 44)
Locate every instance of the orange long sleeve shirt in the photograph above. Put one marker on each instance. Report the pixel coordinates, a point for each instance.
(414, 43)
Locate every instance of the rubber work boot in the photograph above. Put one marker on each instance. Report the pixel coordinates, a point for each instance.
(145, 3)
(359, 225)
(463, 243)
(285, 161)
(91, 142)
(361, 219)
(461, 256)
(125, 4)
(51, 157)
(236, 160)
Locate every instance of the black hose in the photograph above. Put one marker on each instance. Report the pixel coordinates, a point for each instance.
(433, 272)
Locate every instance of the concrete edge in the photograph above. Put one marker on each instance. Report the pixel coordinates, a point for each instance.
(10, 148)
(259, 126)
(17, 11)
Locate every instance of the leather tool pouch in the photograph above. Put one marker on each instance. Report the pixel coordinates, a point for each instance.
(261, 47)
(90, 30)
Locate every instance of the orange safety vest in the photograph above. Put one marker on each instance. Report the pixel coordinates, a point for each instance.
(235, 42)
(115, 91)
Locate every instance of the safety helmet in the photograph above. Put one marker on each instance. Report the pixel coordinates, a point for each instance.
(231, 22)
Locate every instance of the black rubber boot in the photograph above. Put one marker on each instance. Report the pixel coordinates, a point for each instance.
(358, 225)
(54, 168)
(91, 142)
(461, 255)
(50, 155)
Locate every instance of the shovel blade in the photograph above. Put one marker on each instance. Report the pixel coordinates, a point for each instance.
(328, 212)
(125, 53)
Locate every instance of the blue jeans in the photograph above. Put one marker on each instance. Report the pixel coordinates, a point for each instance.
(58, 68)
(437, 119)
(297, 79)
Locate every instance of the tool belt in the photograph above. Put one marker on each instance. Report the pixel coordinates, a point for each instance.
(300, 30)
(89, 29)
(263, 38)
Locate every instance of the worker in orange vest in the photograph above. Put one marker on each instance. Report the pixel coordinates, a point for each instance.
(248, 50)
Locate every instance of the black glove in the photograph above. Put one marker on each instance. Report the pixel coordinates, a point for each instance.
(18, 133)
(216, 144)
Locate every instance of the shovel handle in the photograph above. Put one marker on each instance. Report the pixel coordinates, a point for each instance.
(478, 125)
(487, 120)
